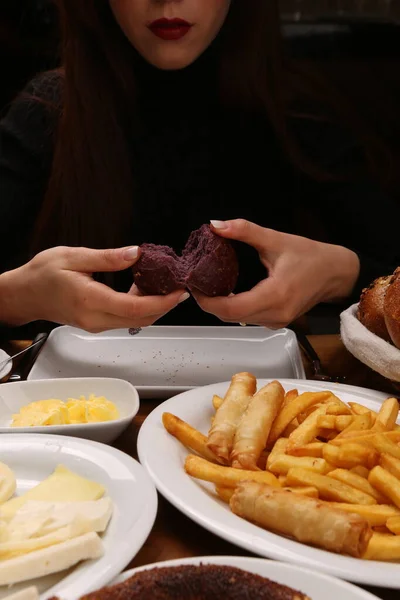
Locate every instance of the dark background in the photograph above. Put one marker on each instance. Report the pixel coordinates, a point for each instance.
(356, 43)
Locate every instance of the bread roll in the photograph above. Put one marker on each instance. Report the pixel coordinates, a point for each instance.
(371, 307)
(391, 308)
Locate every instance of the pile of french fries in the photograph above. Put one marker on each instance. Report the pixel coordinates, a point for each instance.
(274, 454)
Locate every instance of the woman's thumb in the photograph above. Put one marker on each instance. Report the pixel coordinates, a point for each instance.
(241, 230)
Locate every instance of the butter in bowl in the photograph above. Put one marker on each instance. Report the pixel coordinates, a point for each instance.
(98, 409)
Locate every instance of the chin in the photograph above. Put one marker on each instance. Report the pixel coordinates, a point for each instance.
(172, 61)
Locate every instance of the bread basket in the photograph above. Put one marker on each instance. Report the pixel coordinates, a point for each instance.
(373, 351)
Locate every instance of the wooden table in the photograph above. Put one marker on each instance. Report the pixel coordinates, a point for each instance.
(176, 536)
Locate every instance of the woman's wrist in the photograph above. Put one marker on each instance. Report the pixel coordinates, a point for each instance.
(12, 311)
(345, 270)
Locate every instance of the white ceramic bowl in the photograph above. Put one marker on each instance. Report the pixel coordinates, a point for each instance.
(13, 396)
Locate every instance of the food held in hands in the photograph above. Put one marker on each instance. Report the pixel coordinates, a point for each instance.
(95, 409)
(208, 264)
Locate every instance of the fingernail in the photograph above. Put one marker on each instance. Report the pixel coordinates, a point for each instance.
(131, 253)
(184, 297)
(219, 224)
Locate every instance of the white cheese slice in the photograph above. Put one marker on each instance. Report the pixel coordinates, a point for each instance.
(61, 486)
(51, 560)
(39, 518)
(8, 483)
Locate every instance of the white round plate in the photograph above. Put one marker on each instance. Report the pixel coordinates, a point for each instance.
(5, 371)
(33, 457)
(315, 585)
(163, 456)
(13, 396)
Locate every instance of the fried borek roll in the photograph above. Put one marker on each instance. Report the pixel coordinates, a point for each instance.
(303, 518)
(228, 415)
(253, 429)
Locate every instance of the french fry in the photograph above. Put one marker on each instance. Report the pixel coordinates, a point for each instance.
(188, 436)
(217, 401)
(359, 423)
(328, 488)
(290, 396)
(376, 514)
(364, 437)
(262, 461)
(385, 446)
(350, 455)
(338, 409)
(309, 491)
(387, 415)
(390, 463)
(292, 410)
(360, 470)
(386, 483)
(278, 449)
(284, 462)
(339, 423)
(313, 449)
(307, 431)
(289, 429)
(393, 524)
(282, 480)
(358, 482)
(359, 409)
(225, 476)
(385, 547)
(224, 493)
(303, 416)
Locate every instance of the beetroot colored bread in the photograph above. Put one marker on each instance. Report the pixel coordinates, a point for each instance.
(208, 263)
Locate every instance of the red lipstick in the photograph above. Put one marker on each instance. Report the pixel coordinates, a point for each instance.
(170, 29)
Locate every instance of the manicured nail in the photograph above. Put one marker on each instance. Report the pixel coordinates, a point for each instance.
(131, 253)
(184, 297)
(219, 224)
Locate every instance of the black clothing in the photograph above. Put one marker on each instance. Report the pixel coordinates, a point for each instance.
(195, 162)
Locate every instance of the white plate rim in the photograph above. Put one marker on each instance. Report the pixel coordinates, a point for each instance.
(121, 551)
(373, 573)
(244, 562)
(5, 371)
(52, 429)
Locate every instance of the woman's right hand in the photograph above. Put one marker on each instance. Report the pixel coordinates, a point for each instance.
(57, 286)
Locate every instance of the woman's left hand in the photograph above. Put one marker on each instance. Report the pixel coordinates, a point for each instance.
(300, 273)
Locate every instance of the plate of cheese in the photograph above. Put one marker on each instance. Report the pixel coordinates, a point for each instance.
(73, 514)
(95, 408)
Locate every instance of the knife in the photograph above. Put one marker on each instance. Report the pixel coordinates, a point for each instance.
(21, 371)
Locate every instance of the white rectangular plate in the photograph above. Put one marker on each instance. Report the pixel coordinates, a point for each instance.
(162, 361)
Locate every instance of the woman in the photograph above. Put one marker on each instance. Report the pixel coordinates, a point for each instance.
(169, 113)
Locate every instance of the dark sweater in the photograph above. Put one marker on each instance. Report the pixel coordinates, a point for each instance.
(195, 162)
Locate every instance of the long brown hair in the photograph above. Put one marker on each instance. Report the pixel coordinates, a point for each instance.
(90, 194)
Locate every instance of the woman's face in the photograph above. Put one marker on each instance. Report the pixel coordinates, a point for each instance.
(171, 34)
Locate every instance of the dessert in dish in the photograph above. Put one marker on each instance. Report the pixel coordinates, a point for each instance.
(191, 582)
(379, 307)
(307, 466)
(208, 263)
